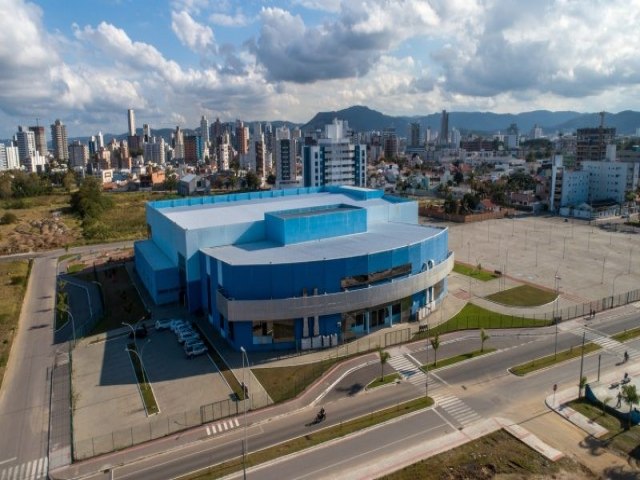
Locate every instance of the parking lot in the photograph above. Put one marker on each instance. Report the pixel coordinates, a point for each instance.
(106, 397)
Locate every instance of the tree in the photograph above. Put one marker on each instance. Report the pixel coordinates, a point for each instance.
(271, 179)
(581, 385)
(89, 201)
(252, 181)
(8, 218)
(384, 356)
(458, 177)
(631, 398)
(435, 344)
(170, 183)
(483, 338)
(69, 181)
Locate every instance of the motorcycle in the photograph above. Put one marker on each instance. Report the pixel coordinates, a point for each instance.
(321, 415)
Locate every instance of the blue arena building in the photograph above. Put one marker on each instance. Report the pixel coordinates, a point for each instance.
(295, 268)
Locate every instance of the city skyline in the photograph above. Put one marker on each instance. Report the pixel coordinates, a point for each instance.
(286, 60)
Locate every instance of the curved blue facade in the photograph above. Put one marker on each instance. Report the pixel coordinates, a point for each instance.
(331, 265)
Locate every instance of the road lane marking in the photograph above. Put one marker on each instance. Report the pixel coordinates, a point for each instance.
(208, 431)
(8, 460)
(235, 420)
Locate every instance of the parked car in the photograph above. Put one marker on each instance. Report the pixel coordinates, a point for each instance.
(193, 341)
(164, 324)
(195, 350)
(182, 330)
(183, 337)
(141, 331)
(175, 324)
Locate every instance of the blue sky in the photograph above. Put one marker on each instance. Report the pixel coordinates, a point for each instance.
(86, 62)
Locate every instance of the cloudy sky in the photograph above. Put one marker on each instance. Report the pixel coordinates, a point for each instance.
(86, 62)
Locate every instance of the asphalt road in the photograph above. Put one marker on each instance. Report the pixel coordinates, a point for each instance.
(25, 393)
(501, 396)
(24, 400)
(481, 387)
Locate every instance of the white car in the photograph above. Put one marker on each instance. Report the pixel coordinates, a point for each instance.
(178, 324)
(192, 341)
(183, 337)
(164, 324)
(195, 350)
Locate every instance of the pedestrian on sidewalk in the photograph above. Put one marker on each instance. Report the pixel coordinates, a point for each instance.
(619, 404)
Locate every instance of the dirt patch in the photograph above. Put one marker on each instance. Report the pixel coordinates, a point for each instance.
(121, 300)
(495, 456)
(43, 223)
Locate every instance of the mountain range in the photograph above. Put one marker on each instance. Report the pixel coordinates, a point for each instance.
(362, 118)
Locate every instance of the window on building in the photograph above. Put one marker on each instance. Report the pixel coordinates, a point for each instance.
(363, 280)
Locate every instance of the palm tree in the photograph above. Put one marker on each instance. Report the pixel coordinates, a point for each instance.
(384, 356)
(435, 343)
(631, 398)
(483, 338)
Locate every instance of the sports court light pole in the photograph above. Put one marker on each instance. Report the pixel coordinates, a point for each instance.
(244, 396)
(555, 316)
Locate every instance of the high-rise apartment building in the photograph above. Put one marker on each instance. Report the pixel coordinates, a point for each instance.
(78, 154)
(242, 137)
(59, 138)
(193, 151)
(414, 135)
(26, 142)
(154, 151)
(285, 154)
(390, 143)
(146, 133)
(132, 122)
(178, 145)
(204, 131)
(591, 143)
(334, 160)
(444, 129)
(224, 152)
(41, 140)
(9, 157)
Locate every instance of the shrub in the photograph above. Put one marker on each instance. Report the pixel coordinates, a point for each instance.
(8, 218)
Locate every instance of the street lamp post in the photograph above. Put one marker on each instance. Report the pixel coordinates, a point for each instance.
(73, 325)
(244, 395)
(613, 286)
(133, 331)
(145, 379)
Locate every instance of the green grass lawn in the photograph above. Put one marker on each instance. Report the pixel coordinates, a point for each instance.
(523, 296)
(387, 379)
(283, 383)
(75, 268)
(475, 317)
(456, 359)
(147, 393)
(312, 439)
(14, 277)
(471, 271)
(627, 335)
(549, 360)
(619, 438)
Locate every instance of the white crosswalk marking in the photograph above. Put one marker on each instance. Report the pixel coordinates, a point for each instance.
(608, 343)
(411, 372)
(457, 409)
(222, 426)
(32, 470)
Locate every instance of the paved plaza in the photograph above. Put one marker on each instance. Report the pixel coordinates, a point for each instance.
(592, 263)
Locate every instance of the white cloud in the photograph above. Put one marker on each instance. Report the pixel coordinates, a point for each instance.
(191, 33)
(332, 6)
(239, 19)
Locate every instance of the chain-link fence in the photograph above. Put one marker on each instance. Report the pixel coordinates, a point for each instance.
(498, 320)
(157, 427)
